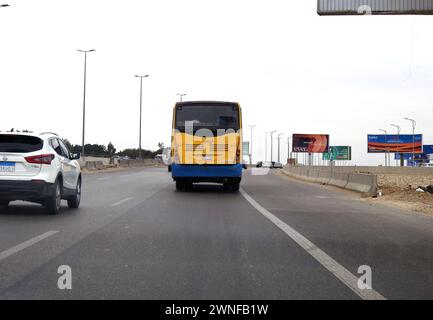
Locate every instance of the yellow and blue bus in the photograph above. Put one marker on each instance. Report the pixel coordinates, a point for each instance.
(206, 144)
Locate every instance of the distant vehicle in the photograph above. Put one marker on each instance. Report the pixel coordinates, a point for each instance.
(277, 165)
(166, 157)
(207, 144)
(264, 164)
(269, 164)
(38, 168)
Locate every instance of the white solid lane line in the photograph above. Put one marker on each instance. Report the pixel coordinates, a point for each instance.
(26, 244)
(326, 261)
(120, 202)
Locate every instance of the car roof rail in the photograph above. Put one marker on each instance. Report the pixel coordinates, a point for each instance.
(55, 134)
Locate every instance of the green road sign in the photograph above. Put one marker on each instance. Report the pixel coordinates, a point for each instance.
(246, 148)
(338, 153)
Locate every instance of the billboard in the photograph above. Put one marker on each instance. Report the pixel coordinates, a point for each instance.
(428, 149)
(246, 148)
(338, 153)
(403, 143)
(357, 7)
(311, 143)
(408, 156)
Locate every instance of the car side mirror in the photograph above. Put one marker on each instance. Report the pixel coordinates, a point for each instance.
(75, 156)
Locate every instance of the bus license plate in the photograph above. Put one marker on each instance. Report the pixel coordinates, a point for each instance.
(7, 166)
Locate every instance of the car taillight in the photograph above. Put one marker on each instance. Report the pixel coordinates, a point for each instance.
(41, 159)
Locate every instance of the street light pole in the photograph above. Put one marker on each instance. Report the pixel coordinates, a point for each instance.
(251, 143)
(266, 146)
(141, 98)
(401, 154)
(386, 157)
(279, 137)
(289, 156)
(180, 96)
(413, 139)
(84, 97)
(272, 143)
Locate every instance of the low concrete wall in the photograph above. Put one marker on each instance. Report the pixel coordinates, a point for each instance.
(361, 182)
(94, 165)
(83, 160)
(139, 163)
(378, 170)
(366, 183)
(339, 179)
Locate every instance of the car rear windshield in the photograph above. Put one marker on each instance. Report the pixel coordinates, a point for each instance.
(19, 143)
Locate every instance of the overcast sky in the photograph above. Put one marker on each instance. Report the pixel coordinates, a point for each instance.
(290, 69)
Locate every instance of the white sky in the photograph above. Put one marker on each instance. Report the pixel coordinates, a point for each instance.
(290, 69)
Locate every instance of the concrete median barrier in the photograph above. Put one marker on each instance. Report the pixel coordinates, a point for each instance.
(324, 177)
(361, 182)
(139, 163)
(366, 183)
(339, 179)
(90, 165)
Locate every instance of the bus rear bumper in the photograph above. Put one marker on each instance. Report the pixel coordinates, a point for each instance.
(206, 173)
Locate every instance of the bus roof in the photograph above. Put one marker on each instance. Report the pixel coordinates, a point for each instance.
(204, 102)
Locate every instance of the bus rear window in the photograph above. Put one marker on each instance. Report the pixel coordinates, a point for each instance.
(19, 143)
(212, 117)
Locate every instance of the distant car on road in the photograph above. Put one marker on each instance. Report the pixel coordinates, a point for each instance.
(264, 164)
(277, 165)
(269, 164)
(38, 168)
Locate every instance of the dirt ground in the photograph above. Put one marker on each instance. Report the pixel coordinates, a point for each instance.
(406, 198)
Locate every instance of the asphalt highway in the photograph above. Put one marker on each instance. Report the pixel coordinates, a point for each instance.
(136, 237)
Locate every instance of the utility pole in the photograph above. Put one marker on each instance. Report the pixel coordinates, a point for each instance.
(84, 97)
(141, 96)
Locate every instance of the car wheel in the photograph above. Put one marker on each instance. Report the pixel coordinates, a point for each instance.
(52, 204)
(74, 201)
(4, 203)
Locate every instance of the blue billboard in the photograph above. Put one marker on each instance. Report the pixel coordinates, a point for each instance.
(408, 156)
(403, 143)
(428, 148)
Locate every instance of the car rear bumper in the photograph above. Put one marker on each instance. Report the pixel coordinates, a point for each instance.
(25, 190)
(207, 173)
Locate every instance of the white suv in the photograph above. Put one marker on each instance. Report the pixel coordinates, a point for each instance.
(38, 168)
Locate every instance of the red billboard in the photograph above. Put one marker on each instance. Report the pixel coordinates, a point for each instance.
(311, 143)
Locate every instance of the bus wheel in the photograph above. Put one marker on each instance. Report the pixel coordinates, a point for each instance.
(183, 186)
(235, 186)
(231, 186)
(180, 186)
